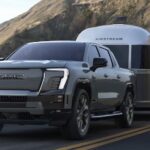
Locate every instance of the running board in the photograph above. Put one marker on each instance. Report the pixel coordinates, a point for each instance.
(141, 112)
(118, 113)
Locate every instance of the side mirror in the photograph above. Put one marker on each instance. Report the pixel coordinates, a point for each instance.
(99, 62)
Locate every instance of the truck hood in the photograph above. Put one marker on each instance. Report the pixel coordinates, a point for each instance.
(10, 64)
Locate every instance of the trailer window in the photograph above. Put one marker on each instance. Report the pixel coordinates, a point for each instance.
(141, 56)
(121, 53)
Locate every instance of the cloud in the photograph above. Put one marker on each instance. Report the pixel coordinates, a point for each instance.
(12, 8)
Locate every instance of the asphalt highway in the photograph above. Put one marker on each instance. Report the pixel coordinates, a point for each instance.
(103, 135)
(140, 142)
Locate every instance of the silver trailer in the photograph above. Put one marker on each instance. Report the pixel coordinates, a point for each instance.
(131, 46)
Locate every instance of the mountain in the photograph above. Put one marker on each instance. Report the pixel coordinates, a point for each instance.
(65, 19)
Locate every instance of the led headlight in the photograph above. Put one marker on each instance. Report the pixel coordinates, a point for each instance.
(64, 79)
(54, 83)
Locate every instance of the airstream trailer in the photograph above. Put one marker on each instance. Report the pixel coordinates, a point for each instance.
(131, 46)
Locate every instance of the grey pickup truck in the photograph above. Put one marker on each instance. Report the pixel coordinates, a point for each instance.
(66, 84)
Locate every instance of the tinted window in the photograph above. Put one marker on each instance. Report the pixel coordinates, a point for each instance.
(141, 56)
(104, 54)
(121, 53)
(92, 53)
(113, 59)
(50, 51)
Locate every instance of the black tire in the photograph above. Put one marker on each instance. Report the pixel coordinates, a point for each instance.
(127, 108)
(78, 126)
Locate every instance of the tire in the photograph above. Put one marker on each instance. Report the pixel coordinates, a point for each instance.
(78, 126)
(127, 108)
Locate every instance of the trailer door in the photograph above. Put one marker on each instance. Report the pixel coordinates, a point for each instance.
(141, 67)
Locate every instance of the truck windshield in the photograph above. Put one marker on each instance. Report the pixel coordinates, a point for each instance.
(141, 56)
(50, 51)
(121, 53)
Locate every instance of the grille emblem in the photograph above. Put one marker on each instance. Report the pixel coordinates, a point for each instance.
(11, 76)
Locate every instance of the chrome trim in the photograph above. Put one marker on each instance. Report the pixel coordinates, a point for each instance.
(106, 95)
(17, 93)
(40, 89)
(107, 115)
(130, 57)
(141, 71)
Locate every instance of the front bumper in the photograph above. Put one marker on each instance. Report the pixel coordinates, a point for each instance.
(44, 108)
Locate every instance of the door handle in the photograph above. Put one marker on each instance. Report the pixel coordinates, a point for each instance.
(93, 77)
(118, 77)
(105, 75)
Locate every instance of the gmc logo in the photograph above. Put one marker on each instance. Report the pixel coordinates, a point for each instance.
(11, 76)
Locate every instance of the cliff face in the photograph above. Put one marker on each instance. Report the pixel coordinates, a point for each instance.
(65, 19)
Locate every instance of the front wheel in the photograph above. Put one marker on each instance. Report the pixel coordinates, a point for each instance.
(127, 108)
(78, 125)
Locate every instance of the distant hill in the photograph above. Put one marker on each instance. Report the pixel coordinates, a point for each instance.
(65, 19)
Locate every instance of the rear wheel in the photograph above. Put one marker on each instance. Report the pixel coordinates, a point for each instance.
(78, 125)
(127, 109)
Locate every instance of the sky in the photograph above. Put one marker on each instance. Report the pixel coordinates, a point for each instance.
(12, 8)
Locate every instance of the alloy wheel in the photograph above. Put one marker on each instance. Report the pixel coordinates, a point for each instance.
(83, 114)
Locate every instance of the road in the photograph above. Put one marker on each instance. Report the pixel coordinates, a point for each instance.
(103, 135)
(140, 142)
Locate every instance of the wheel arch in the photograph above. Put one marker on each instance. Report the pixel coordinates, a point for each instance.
(83, 84)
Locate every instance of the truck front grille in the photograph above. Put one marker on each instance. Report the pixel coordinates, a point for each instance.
(13, 101)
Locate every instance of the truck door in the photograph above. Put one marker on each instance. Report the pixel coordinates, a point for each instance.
(107, 82)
